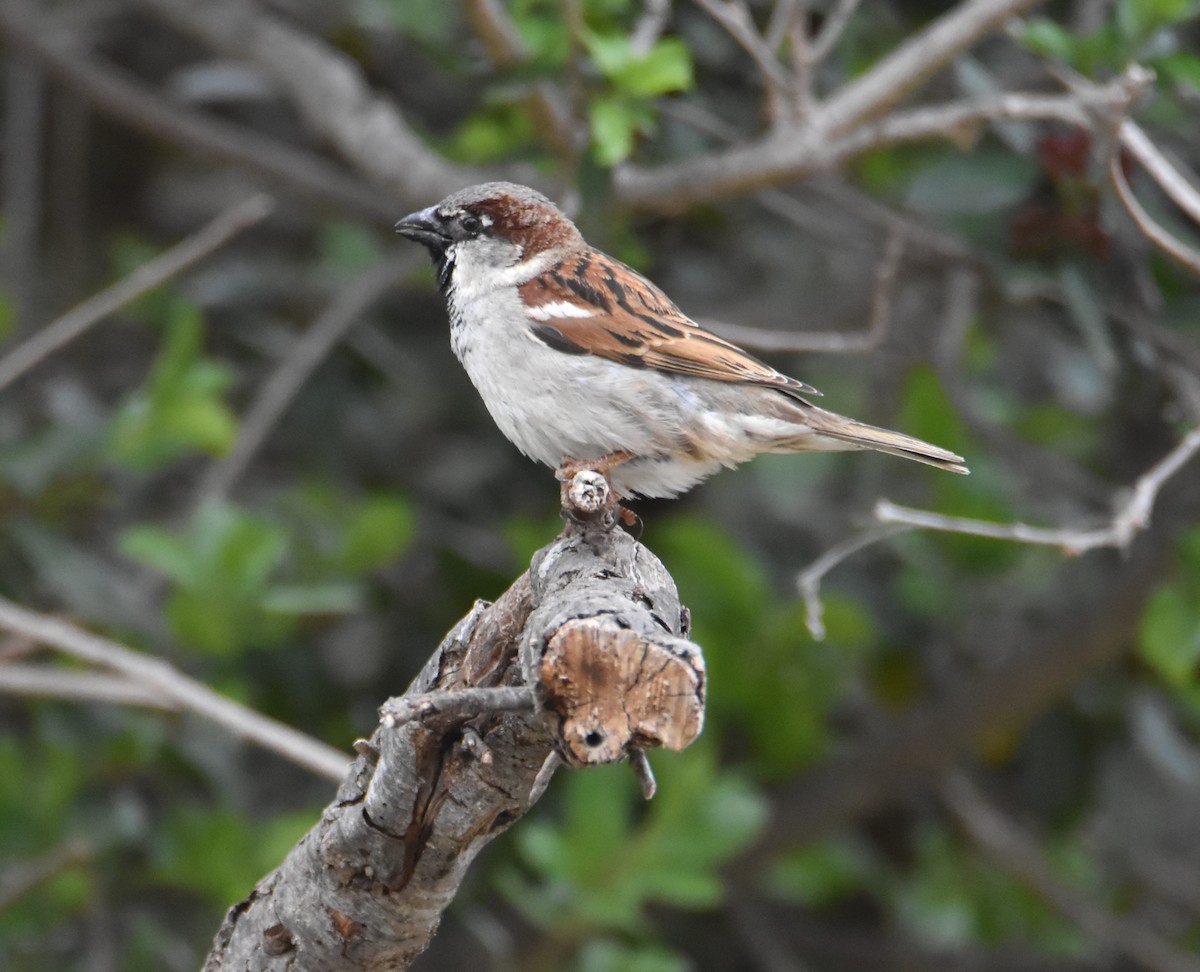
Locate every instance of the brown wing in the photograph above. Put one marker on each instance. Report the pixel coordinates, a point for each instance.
(592, 304)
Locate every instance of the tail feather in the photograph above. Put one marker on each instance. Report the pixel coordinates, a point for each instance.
(858, 435)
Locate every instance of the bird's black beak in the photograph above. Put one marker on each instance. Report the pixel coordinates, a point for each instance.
(427, 228)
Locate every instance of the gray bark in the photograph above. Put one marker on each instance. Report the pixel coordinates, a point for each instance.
(366, 887)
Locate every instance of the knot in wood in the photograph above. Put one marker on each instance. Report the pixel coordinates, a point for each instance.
(588, 492)
(608, 690)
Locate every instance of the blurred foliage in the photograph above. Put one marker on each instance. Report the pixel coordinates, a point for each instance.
(384, 503)
(598, 868)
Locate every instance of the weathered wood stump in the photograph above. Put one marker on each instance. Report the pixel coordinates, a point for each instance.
(584, 659)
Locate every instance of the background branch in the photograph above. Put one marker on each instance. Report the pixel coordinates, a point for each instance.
(1015, 852)
(1131, 517)
(330, 92)
(116, 94)
(146, 277)
(158, 677)
(285, 382)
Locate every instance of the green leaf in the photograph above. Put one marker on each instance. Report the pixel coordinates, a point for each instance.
(1169, 636)
(179, 410)
(162, 550)
(381, 528)
(666, 67)
(206, 624)
(541, 26)
(1181, 67)
(826, 872)
(599, 868)
(432, 22)
(1138, 19)
(606, 955)
(347, 247)
(8, 316)
(1050, 39)
(222, 853)
(329, 598)
(494, 132)
(222, 567)
(247, 549)
(614, 121)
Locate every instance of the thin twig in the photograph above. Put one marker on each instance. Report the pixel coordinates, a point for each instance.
(919, 57)
(21, 879)
(797, 151)
(644, 773)
(1168, 243)
(1135, 80)
(1173, 182)
(175, 687)
(503, 46)
(463, 703)
(783, 15)
(831, 31)
(116, 94)
(830, 342)
(738, 23)
(294, 370)
(43, 681)
(215, 234)
(650, 26)
(540, 782)
(803, 90)
(1131, 517)
(808, 581)
(1017, 853)
(329, 90)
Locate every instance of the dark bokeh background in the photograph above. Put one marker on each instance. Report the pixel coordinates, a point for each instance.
(989, 762)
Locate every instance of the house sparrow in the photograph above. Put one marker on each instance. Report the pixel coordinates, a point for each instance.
(585, 364)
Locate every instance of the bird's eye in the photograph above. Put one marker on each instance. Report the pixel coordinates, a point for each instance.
(471, 223)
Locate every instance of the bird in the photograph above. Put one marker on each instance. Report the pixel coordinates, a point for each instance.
(583, 363)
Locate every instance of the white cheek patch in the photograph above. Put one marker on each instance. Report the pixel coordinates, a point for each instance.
(560, 309)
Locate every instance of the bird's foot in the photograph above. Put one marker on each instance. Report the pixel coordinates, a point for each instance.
(603, 465)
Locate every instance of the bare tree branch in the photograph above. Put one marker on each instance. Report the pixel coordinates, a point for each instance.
(735, 17)
(831, 31)
(1182, 189)
(45, 681)
(172, 686)
(19, 880)
(808, 581)
(830, 342)
(916, 60)
(1132, 515)
(330, 92)
(1015, 852)
(112, 92)
(294, 370)
(650, 26)
(797, 151)
(800, 151)
(505, 49)
(1169, 244)
(210, 237)
(1097, 604)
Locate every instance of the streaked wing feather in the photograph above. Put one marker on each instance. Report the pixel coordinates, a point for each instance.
(636, 324)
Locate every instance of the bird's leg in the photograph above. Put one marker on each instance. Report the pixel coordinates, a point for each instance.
(604, 466)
